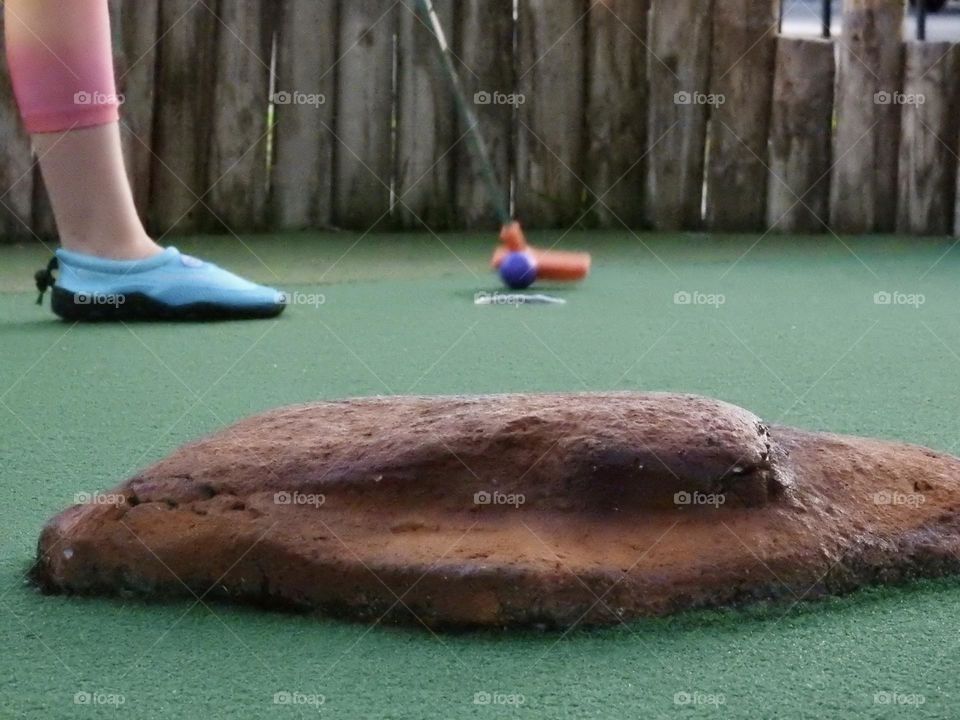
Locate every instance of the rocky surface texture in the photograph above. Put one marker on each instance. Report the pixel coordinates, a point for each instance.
(512, 510)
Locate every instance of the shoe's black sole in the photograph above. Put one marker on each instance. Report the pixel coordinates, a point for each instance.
(135, 307)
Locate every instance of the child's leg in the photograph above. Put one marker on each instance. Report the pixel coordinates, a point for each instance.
(92, 200)
(61, 62)
(61, 65)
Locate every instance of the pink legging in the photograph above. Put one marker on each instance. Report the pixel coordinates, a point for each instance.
(61, 63)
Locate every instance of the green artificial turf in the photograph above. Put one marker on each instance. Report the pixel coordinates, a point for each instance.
(798, 339)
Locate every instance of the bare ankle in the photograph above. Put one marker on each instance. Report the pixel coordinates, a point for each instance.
(115, 248)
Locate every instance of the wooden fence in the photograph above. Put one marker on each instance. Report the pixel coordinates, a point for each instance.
(247, 115)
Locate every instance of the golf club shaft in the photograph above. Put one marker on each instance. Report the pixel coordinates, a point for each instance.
(468, 115)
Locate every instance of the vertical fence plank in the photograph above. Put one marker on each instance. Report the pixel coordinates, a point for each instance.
(486, 51)
(302, 173)
(617, 110)
(426, 124)
(550, 165)
(364, 110)
(928, 139)
(679, 70)
(237, 174)
(135, 36)
(864, 185)
(16, 161)
(744, 44)
(798, 197)
(187, 51)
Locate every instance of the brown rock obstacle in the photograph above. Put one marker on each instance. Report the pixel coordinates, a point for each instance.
(513, 510)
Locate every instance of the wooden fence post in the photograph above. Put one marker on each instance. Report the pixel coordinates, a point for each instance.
(798, 197)
(550, 163)
(185, 74)
(928, 139)
(364, 111)
(16, 163)
(237, 173)
(744, 46)
(426, 123)
(302, 174)
(863, 195)
(617, 111)
(679, 69)
(486, 49)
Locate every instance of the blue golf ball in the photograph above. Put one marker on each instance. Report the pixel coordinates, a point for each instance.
(518, 270)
